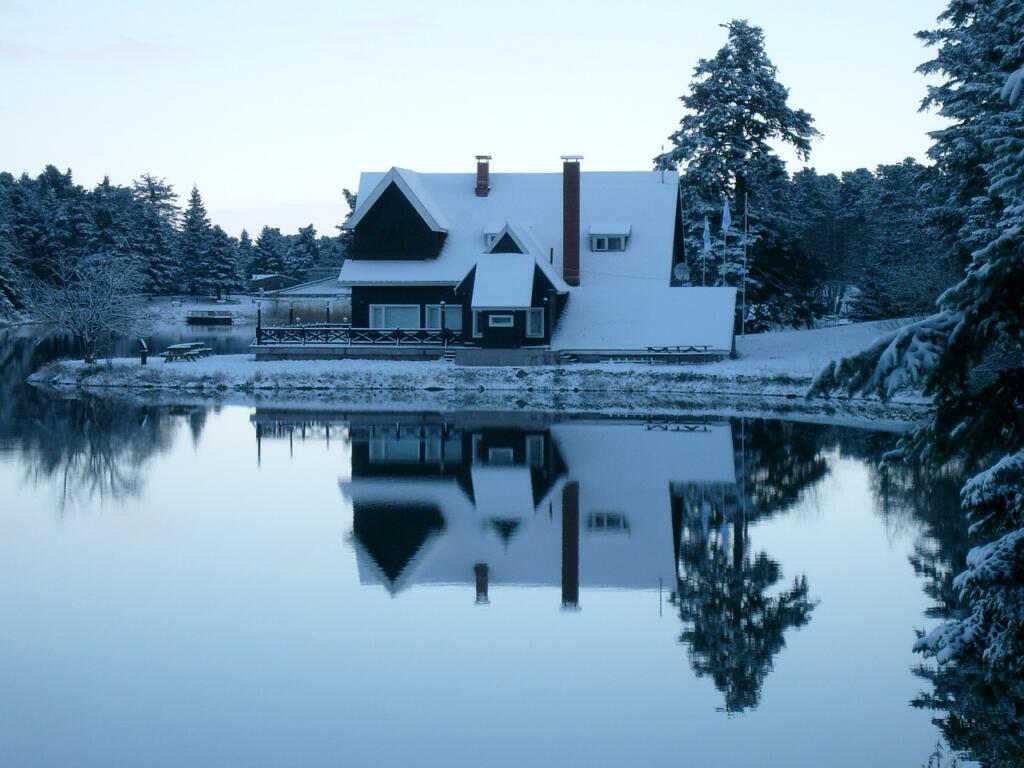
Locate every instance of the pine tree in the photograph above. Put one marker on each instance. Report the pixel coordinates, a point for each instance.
(193, 244)
(970, 354)
(222, 260)
(735, 108)
(270, 252)
(245, 259)
(157, 217)
(303, 253)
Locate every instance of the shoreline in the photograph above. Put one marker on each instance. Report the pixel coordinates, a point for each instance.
(403, 385)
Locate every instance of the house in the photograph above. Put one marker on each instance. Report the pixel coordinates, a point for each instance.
(574, 262)
(270, 282)
(491, 503)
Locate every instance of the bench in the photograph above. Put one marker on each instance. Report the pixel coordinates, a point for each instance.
(187, 352)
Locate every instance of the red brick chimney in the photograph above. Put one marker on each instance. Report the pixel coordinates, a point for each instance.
(571, 218)
(483, 175)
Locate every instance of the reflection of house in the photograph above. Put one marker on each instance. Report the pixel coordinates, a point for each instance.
(575, 504)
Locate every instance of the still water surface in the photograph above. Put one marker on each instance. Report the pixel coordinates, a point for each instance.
(201, 586)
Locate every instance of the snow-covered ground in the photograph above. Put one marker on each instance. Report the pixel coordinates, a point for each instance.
(776, 367)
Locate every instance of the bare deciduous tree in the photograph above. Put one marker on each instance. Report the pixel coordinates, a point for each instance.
(94, 299)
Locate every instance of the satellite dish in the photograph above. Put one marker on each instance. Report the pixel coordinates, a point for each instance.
(681, 272)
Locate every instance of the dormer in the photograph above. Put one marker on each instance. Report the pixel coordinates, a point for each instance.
(397, 220)
(504, 240)
(609, 236)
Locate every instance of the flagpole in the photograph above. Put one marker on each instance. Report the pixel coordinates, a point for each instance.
(746, 237)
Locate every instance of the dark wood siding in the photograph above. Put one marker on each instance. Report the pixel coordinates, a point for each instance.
(392, 229)
(506, 245)
(544, 296)
(364, 296)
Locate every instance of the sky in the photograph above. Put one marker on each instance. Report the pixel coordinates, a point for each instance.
(272, 108)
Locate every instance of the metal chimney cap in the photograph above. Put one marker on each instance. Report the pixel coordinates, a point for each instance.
(572, 158)
(483, 157)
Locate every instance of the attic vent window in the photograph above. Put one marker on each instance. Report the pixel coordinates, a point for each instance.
(607, 236)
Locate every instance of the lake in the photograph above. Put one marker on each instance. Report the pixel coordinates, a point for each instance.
(193, 584)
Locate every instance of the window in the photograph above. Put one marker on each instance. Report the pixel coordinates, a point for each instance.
(608, 243)
(611, 522)
(535, 323)
(405, 450)
(500, 456)
(501, 321)
(394, 315)
(477, 333)
(452, 316)
(535, 450)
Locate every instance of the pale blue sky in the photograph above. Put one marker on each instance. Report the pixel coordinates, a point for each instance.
(273, 107)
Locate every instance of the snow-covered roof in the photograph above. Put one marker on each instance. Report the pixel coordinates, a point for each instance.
(635, 317)
(503, 281)
(325, 288)
(414, 190)
(532, 202)
(502, 491)
(610, 228)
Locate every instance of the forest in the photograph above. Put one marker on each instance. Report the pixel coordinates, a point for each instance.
(49, 220)
(864, 244)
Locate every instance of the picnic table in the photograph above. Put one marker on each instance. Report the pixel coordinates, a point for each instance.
(188, 351)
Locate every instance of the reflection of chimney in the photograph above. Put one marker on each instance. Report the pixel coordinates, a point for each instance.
(571, 218)
(483, 175)
(481, 572)
(571, 545)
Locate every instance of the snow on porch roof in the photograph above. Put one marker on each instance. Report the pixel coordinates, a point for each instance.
(633, 318)
(503, 281)
(502, 492)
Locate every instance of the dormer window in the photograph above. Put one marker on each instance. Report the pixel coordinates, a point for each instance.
(609, 236)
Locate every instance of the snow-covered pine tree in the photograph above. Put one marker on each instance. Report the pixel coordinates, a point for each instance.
(222, 261)
(193, 245)
(156, 236)
(735, 109)
(245, 259)
(303, 253)
(970, 354)
(270, 252)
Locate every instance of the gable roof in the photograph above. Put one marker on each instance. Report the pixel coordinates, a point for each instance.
(532, 203)
(410, 185)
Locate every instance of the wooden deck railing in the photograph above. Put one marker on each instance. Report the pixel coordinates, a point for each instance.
(347, 335)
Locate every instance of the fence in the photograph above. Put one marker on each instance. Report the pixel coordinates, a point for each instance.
(304, 335)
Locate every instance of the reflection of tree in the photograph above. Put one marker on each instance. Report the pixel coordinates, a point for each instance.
(732, 624)
(980, 713)
(89, 448)
(92, 448)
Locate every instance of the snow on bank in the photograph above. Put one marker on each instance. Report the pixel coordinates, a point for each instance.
(777, 366)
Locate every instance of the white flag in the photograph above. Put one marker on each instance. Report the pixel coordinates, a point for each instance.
(707, 236)
(726, 218)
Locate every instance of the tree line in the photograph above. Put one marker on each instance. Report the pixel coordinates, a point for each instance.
(866, 243)
(49, 223)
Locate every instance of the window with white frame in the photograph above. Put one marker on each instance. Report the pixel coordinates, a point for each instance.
(535, 323)
(607, 243)
(611, 522)
(452, 316)
(501, 321)
(394, 316)
(477, 333)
